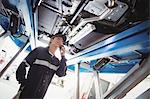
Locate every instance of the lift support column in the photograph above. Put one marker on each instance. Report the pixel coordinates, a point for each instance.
(138, 73)
(77, 81)
(97, 83)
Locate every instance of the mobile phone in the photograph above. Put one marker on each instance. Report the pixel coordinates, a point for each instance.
(61, 47)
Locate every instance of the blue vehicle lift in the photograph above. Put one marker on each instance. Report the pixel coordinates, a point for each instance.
(128, 47)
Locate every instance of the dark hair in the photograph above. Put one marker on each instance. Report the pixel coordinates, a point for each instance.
(59, 35)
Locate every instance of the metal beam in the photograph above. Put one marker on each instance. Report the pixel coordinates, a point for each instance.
(51, 8)
(36, 4)
(133, 77)
(77, 80)
(98, 88)
(127, 41)
(60, 6)
(78, 12)
(92, 19)
(76, 15)
(120, 36)
(35, 26)
(105, 52)
(26, 10)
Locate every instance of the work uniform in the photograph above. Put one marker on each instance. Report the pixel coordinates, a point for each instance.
(43, 66)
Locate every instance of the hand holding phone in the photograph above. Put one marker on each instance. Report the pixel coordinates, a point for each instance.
(62, 50)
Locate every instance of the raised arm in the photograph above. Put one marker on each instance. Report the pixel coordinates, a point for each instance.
(62, 68)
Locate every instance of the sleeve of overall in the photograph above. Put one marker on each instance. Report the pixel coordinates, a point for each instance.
(21, 70)
(62, 68)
